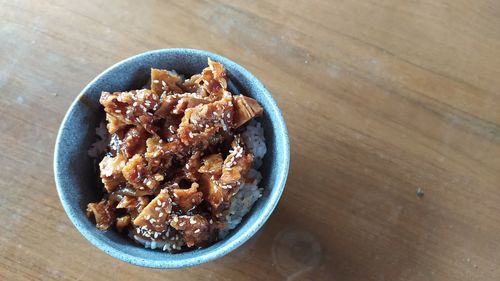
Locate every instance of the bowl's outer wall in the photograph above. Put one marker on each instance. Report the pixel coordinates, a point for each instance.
(76, 177)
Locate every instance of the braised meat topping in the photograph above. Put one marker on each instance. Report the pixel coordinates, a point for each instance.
(175, 158)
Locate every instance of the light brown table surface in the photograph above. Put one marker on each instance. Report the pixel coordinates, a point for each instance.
(381, 98)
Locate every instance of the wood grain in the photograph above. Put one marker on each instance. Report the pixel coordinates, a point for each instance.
(381, 98)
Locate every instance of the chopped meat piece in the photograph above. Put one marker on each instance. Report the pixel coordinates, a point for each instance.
(103, 213)
(234, 173)
(133, 108)
(139, 176)
(235, 168)
(176, 104)
(167, 105)
(186, 199)
(134, 142)
(190, 85)
(164, 81)
(111, 171)
(219, 73)
(245, 109)
(127, 202)
(192, 134)
(134, 205)
(195, 229)
(160, 153)
(210, 173)
(190, 170)
(213, 80)
(212, 192)
(114, 124)
(212, 164)
(122, 222)
(200, 124)
(220, 185)
(128, 190)
(188, 102)
(156, 214)
(169, 127)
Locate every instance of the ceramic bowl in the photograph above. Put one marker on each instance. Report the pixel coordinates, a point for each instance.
(76, 177)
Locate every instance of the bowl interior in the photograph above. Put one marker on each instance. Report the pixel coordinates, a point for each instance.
(76, 177)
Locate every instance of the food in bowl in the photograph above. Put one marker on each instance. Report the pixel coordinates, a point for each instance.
(180, 169)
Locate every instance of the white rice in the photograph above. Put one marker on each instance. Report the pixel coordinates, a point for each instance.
(98, 147)
(164, 245)
(249, 192)
(256, 142)
(241, 203)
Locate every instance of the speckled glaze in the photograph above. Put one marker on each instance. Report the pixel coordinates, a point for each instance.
(76, 178)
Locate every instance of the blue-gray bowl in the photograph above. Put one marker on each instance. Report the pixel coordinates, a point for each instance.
(76, 177)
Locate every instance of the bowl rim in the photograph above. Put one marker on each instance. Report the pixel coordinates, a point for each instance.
(244, 233)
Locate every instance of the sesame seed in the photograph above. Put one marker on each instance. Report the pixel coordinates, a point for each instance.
(160, 215)
(182, 224)
(165, 247)
(118, 111)
(156, 235)
(158, 202)
(196, 231)
(163, 83)
(148, 217)
(192, 220)
(156, 81)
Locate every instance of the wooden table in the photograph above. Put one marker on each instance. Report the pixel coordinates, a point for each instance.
(384, 100)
